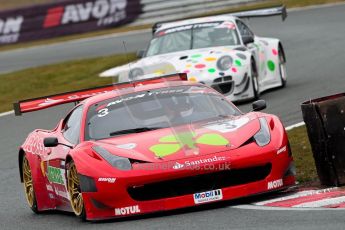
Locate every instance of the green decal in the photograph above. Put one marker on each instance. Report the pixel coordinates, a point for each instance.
(196, 55)
(271, 65)
(173, 143)
(238, 62)
(212, 70)
(212, 139)
(54, 175)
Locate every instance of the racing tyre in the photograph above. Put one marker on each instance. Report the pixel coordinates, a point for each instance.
(255, 81)
(282, 66)
(29, 185)
(74, 191)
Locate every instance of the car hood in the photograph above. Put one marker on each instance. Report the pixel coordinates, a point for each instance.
(185, 61)
(184, 141)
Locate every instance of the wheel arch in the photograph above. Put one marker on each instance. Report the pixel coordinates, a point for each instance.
(21, 154)
(280, 46)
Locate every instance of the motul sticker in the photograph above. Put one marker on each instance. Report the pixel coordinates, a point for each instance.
(127, 210)
(275, 184)
(205, 197)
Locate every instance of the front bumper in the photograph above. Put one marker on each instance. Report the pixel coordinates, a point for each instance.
(170, 189)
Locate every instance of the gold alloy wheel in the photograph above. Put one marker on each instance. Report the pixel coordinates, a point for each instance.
(73, 186)
(28, 185)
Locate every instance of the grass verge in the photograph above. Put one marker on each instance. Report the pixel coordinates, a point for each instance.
(269, 3)
(57, 78)
(301, 151)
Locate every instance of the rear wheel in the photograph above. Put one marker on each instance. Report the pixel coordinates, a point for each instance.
(73, 186)
(28, 185)
(282, 67)
(255, 81)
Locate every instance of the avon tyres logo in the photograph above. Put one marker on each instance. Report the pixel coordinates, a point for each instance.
(107, 12)
(10, 29)
(173, 143)
(54, 175)
(127, 210)
(208, 196)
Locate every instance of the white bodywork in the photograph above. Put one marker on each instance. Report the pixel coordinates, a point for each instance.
(201, 64)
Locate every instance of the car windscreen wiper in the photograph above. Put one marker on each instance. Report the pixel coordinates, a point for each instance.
(135, 130)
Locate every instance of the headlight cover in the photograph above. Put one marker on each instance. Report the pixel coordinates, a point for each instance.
(135, 73)
(120, 163)
(224, 63)
(263, 137)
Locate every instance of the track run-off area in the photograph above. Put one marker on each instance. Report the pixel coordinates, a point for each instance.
(313, 39)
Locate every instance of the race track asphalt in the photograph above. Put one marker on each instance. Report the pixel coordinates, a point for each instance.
(315, 47)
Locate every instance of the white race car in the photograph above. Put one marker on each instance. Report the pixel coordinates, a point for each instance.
(219, 51)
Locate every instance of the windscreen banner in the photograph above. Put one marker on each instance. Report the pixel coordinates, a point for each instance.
(65, 18)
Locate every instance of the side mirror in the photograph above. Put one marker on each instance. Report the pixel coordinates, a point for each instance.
(259, 105)
(247, 40)
(140, 53)
(50, 142)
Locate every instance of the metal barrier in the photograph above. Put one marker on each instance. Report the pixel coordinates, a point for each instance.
(325, 122)
(163, 10)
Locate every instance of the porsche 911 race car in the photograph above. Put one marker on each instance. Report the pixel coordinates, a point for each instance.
(219, 51)
(148, 146)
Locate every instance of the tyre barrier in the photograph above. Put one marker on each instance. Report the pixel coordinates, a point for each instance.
(325, 121)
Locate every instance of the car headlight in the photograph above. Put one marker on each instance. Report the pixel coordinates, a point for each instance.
(135, 73)
(263, 137)
(224, 63)
(120, 163)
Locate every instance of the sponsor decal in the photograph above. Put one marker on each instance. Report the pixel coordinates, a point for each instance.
(107, 179)
(196, 164)
(225, 126)
(49, 101)
(49, 188)
(55, 175)
(281, 150)
(106, 12)
(34, 144)
(178, 166)
(10, 29)
(275, 184)
(209, 196)
(171, 144)
(128, 146)
(127, 210)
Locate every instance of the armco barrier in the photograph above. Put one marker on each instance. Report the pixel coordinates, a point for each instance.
(325, 122)
(78, 16)
(68, 17)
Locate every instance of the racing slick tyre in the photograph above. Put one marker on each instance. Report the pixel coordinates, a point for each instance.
(29, 185)
(282, 66)
(74, 191)
(255, 81)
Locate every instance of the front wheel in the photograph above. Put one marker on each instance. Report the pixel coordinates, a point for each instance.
(255, 81)
(282, 67)
(74, 191)
(29, 185)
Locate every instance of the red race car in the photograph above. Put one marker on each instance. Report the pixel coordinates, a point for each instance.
(148, 146)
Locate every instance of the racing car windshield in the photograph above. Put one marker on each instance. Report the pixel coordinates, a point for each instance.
(156, 109)
(194, 36)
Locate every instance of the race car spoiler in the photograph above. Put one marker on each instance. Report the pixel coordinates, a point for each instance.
(261, 12)
(35, 104)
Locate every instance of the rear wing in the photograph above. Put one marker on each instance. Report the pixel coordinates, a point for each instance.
(40, 103)
(261, 12)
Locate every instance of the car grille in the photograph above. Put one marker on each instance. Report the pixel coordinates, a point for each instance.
(223, 85)
(199, 183)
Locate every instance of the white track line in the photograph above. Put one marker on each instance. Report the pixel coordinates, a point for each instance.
(268, 208)
(6, 113)
(321, 203)
(294, 126)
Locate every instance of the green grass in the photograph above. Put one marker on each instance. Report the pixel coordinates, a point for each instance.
(56, 78)
(288, 3)
(301, 151)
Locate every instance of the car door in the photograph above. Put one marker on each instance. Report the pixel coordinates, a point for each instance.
(255, 47)
(68, 135)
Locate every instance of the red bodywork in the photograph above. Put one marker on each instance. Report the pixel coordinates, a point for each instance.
(239, 169)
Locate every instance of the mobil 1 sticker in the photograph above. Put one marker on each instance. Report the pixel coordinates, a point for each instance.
(209, 196)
